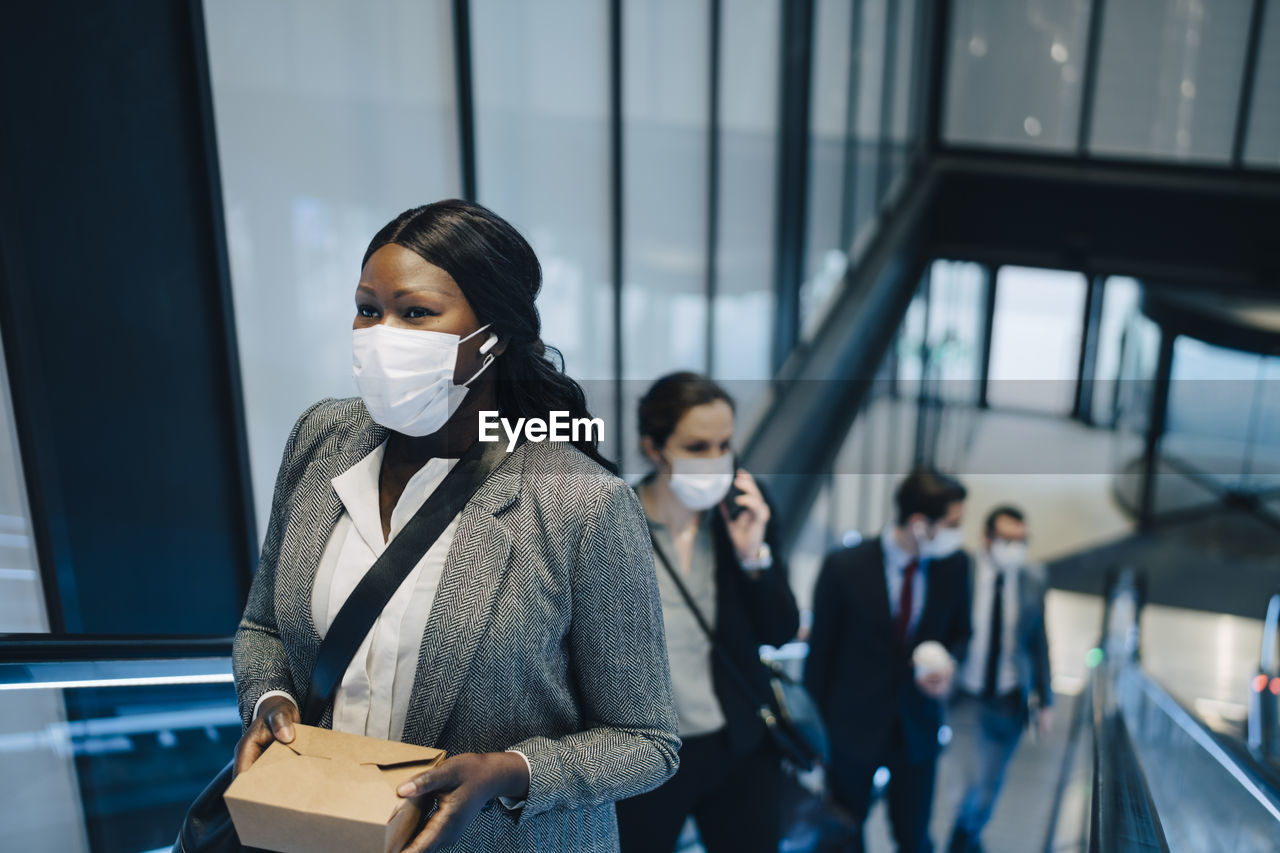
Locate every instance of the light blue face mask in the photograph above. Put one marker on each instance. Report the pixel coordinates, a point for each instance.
(405, 376)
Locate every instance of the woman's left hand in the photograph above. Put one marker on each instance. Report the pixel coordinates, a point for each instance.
(461, 786)
(747, 530)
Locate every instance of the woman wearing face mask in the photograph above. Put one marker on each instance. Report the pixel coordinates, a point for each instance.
(730, 774)
(528, 638)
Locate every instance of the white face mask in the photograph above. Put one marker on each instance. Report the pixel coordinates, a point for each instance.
(406, 376)
(701, 483)
(1008, 555)
(945, 542)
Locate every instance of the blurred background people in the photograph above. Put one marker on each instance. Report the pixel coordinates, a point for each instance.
(730, 772)
(876, 606)
(1006, 666)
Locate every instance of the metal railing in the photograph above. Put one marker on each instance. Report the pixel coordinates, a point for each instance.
(1158, 778)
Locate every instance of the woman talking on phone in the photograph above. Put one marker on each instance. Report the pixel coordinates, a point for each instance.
(714, 541)
(527, 639)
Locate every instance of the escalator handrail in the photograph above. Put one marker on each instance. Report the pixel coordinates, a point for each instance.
(1204, 737)
(1124, 817)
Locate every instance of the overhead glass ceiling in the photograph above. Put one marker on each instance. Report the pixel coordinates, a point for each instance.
(1194, 81)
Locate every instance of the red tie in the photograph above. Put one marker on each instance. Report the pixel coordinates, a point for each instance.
(905, 601)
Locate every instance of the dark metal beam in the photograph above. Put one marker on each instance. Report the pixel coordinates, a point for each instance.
(466, 103)
(795, 59)
(939, 36)
(1248, 80)
(1155, 430)
(849, 171)
(884, 164)
(1153, 221)
(45, 648)
(713, 183)
(616, 187)
(1089, 86)
(988, 326)
(1082, 404)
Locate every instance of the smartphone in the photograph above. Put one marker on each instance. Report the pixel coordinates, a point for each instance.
(731, 505)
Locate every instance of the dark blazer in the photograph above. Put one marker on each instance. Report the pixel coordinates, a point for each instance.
(856, 671)
(750, 612)
(545, 634)
(1033, 640)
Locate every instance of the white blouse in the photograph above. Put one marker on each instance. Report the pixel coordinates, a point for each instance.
(375, 689)
(374, 694)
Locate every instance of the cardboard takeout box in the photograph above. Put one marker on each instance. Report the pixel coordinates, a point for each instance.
(329, 792)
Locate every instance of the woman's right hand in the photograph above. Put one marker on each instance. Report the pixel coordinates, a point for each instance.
(275, 721)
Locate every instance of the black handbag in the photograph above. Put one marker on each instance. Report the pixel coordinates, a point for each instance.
(207, 827)
(789, 714)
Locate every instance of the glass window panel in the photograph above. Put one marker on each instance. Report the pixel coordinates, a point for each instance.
(665, 112)
(1169, 78)
(1262, 461)
(1139, 356)
(1262, 145)
(743, 310)
(1014, 73)
(824, 258)
(1212, 394)
(1120, 297)
(541, 96)
(1035, 339)
(332, 118)
(867, 118)
(909, 346)
(957, 297)
(22, 607)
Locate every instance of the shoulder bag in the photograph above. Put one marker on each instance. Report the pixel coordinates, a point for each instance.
(789, 713)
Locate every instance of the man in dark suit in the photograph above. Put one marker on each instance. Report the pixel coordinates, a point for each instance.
(877, 606)
(1007, 664)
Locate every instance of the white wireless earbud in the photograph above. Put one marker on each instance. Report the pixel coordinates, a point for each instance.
(489, 343)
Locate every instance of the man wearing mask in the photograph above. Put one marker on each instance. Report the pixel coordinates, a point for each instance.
(1007, 664)
(890, 618)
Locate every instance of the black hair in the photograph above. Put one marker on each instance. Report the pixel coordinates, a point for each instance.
(667, 400)
(1007, 510)
(499, 274)
(929, 492)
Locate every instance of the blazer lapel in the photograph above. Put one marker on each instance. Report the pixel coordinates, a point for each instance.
(311, 524)
(474, 571)
(881, 608)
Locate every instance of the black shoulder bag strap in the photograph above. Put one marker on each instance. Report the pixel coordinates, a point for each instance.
(789, 714)
(367, 600)
(729, 665)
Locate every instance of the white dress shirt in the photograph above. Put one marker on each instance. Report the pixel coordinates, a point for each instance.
(896, 561)
(973, 675)
(374, 694)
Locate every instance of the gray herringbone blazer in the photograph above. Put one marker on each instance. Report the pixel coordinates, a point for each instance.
(545, 633)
